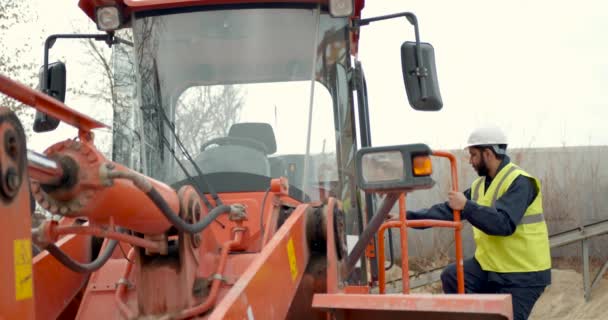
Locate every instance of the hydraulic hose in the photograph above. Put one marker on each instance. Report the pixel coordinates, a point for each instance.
(178, 222)
(76, 266)
(144, 185)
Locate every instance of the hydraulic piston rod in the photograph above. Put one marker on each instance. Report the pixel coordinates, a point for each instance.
(44, 170)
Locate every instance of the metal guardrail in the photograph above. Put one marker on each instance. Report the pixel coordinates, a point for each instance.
(583, 234)
(577, 234)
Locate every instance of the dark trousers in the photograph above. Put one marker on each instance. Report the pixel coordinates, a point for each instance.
(476, 281)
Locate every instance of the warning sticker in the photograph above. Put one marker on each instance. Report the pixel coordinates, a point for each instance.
(22, 255)
(291, 254)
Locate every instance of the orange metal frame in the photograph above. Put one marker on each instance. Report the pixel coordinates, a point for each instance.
(55, 286)
(256, 269)
(55, 231)
(356, 302)
(271, 280)
(268, 281)
(45, 103)
(17, 299)
(415, 306)
(403, 224)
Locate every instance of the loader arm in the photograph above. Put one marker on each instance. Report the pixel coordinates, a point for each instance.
(267, 288)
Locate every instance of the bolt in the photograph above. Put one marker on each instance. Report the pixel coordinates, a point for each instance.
(196, 240)
(200, 287)
(237, 212)
(35, 187)
(12, 180)
(75, 206)
(10, 143)
(197, 211)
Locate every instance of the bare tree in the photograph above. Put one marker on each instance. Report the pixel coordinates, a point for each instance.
(201, 114)
(112, 84)
(204, 113)
(12, 60)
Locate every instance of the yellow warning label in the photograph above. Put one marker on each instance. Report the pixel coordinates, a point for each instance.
(293, 264)
(22, 254)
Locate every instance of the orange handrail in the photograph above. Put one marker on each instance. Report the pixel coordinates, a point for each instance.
(457, 235)
(405, 272)
(403, 223)
(381, 271)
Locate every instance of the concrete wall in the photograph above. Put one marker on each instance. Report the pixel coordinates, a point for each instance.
(574, 185)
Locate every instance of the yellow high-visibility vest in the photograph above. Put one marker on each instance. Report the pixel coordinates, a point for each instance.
(527, 249)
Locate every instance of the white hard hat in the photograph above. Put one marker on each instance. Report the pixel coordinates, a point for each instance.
(488, 136)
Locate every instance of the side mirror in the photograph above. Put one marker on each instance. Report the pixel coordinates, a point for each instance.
(420, 76)
(394, 168)
(55, 86)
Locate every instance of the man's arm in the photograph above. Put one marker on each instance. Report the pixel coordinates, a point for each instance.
(441, 211)
(510, 208)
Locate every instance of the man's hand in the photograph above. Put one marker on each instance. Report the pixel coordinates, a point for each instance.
(456, 200)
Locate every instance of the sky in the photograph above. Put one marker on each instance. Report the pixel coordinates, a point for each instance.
(538, 69)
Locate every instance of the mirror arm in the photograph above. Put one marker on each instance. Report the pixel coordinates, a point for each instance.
(123, 41)
(421, 71)
(50, 42)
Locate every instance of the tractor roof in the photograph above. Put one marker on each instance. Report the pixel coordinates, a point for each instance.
(129, 6)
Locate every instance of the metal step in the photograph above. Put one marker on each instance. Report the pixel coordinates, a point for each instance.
(416, 306)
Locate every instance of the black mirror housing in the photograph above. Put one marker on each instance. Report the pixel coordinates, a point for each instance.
(421, 84)
(55, 86)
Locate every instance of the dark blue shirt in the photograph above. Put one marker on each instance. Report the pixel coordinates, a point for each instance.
(501, 220)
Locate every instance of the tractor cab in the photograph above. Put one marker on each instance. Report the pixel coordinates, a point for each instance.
(249, 93)
(227, 96)
(235, 95)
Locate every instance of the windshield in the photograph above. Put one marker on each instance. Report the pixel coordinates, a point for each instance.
(235, 90)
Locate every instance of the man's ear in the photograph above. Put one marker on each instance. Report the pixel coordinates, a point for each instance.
(487, 154)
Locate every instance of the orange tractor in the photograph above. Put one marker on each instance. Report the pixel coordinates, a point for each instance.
(241, 163)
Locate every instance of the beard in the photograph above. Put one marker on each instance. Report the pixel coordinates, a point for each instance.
(482, 168)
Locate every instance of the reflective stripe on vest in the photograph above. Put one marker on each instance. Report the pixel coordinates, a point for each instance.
(527, 249)
(533, 218)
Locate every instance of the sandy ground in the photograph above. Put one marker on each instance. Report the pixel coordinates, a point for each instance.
(564, 299)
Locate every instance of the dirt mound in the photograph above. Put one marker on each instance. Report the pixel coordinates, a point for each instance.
(564, 299)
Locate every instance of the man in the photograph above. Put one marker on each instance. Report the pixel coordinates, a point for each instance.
(504, 205)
